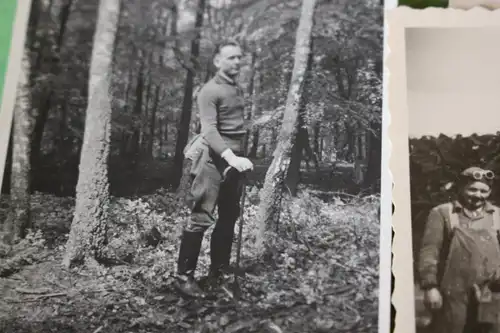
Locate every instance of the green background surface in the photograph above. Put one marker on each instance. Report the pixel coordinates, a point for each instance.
(7, 14)
(420, 4)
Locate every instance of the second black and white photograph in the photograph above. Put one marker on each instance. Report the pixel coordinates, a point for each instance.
(453, 79)
(196, 166)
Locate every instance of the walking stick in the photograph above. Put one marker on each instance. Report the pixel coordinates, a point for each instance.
(240, 224)
(243, 180)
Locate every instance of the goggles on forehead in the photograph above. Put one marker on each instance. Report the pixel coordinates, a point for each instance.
(479, 175)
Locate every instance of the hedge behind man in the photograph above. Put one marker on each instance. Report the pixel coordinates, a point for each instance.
(219, 145)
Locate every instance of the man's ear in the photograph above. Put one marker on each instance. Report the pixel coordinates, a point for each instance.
(217, 60)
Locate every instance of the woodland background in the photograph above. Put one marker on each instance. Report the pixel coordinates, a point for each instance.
(150, 92)
(310, 239)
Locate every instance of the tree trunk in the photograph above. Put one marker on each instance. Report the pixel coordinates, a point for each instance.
(37, 7)
(310, 152)
(362, 144)
(63, 124)
(165, 131)
(255, 143)
(128, 89)
(145, 133)
(256, 110)
(330, 148)
(374, 146)
(302, 139)
(210, 72)
(18, 221)
(250, 90)
(374, 158)
(160, 135)
(321, 147)
(275, 177)
(63, 147)
(187, 103)
(123, 143)
(87, 237)
(118, 37)
(8, 165)
(316, 144)
(153, 122)
(34, 19)
(316, 138)
(174, 14)
(293, 174)
(274, 136)
(136, 136)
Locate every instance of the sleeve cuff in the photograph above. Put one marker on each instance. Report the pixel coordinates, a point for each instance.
(428, 285)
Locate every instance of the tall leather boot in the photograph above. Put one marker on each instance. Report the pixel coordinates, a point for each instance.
(186, 264)
(220, 253)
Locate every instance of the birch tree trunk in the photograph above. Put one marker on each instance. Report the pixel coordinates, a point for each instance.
(18, 220)
(301, 141)
(87, 237)
(275, 176)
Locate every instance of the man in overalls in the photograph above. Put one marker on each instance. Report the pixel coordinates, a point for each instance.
(460, 252)
(220, 145)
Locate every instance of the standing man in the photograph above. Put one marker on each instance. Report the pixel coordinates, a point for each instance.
(460, 252)
(220, 145)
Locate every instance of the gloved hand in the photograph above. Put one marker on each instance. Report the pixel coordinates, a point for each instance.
(241, 164)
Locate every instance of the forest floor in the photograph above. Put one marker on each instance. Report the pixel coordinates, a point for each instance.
(322, 278)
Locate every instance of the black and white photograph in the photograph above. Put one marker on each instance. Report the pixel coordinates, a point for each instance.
(216, 166)
(453, 80)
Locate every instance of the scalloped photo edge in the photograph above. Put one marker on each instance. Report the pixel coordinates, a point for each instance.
(398, 20)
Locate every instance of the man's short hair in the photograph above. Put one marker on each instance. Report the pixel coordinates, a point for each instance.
(225, 42)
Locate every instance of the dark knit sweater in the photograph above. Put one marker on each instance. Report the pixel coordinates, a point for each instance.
(221, 107)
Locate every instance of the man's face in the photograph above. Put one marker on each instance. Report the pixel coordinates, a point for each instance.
(475, 194)
(228, 60)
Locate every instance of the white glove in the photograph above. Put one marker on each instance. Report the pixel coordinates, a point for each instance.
(241, 164)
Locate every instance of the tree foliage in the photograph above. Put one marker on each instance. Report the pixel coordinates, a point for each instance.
(150, 59)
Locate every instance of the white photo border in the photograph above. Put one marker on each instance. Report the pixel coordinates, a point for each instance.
(398, 20)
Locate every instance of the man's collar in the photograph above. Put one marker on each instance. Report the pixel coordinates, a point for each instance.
(458, 207)
(221, 77)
